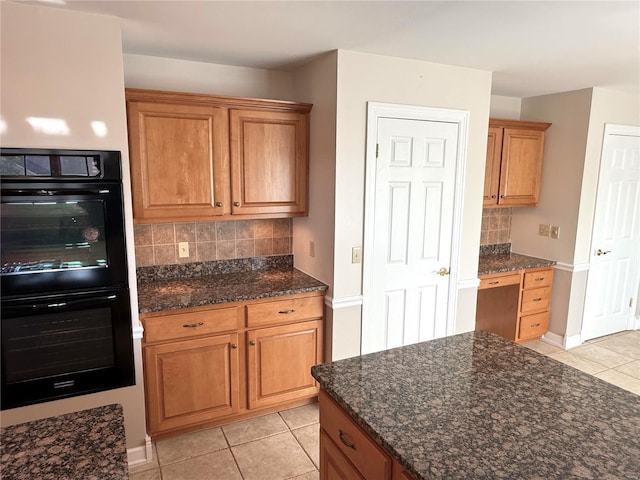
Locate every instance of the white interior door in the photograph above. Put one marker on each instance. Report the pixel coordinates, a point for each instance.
(409, 253)
(612, 284)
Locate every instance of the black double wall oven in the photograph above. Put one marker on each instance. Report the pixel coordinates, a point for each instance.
(65, 312)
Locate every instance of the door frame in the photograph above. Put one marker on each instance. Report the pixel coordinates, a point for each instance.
(375, 111)
(633, 322)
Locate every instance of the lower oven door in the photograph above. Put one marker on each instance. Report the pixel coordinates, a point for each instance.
(63, 346)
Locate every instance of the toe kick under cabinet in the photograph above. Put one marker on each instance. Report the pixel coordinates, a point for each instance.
(207, 366)
(516, 304)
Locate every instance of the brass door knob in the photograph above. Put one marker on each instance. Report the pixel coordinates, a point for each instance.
(443, 271)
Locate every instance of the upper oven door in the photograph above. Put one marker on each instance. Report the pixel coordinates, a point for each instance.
(58, 237)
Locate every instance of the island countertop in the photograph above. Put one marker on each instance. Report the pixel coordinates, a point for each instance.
(477, 406)
(87, 445)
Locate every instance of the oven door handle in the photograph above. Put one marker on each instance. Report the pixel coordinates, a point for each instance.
(55, 305)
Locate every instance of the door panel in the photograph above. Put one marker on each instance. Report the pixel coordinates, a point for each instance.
(612, 284)
(413, 232)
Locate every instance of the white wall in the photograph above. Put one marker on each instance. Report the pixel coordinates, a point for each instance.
(363, 78)
(157, 73)
(65, 65)
(505, 107)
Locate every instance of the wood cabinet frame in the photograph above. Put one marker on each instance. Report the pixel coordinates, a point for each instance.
(239, 328)
(513, 171)
(218, 158)
(508, 300)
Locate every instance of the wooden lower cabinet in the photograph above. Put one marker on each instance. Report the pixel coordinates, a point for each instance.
(279, 362)
(206, 366)
(347, 452)
(191, 381)
(515, 305)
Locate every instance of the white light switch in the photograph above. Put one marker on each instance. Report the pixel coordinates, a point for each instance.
(312, 248)
(356, 255)
(183, 249)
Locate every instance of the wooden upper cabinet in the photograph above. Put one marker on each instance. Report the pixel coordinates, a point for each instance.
(179, 160)
(180, 147)
(515, 152)
(268, 162)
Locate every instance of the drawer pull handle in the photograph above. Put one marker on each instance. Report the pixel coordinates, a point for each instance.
(287, 312)
(539, 278)
(193, 325)
(252, 342)
(537, 299)
(494, 282)
(535, 325)
(344, 441)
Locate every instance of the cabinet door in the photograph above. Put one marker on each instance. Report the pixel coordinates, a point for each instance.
(521, 171)
(269, 162)
(334, 465)
(179, 161)
(492, 167)
(280, 361)
(191, 381)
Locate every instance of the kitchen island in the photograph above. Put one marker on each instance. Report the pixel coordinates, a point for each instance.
(477, 406)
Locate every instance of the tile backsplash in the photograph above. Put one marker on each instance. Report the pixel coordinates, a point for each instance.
(157, 243)
(496, 226)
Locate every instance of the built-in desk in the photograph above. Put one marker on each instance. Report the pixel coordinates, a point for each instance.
(514, 296)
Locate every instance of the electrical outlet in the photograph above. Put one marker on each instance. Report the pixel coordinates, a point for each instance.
(312, 248)
(356, 255)
(183, 249)
(544, 230)
(554, 232)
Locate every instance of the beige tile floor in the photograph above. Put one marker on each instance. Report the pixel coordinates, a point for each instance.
(278, 446)
(284, 445)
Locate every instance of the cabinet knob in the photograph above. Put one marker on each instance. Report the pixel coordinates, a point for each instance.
(252, 342)
(501, 196)
(218, 204)
(234, 345)
(236, 204)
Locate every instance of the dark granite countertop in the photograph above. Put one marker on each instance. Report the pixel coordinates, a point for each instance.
(509, 262)
(175, 293)
(87, 445)
(477, 406)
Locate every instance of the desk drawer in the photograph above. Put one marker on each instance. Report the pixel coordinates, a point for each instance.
(542, 278)
(533, 325)
(281, 311)
(535, 299)
(499, 281)
(354, 444)
(192, 324)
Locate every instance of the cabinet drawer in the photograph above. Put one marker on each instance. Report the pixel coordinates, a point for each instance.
(533, 325)
(538, 279)
(281, 311)
(536, 299)
(492, 282)
(185, 325)
(354, 444)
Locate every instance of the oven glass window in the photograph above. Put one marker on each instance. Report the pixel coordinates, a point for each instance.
(57, 235)
(57, 343)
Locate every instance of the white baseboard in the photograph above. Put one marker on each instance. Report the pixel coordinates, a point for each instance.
(553, 339)
(140, 455)
(573, 341)
(562, 341)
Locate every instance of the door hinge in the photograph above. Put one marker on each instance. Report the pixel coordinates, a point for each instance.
(631, 302)
(377, 149)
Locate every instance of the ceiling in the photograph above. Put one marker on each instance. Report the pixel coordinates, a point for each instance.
(532, 48)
